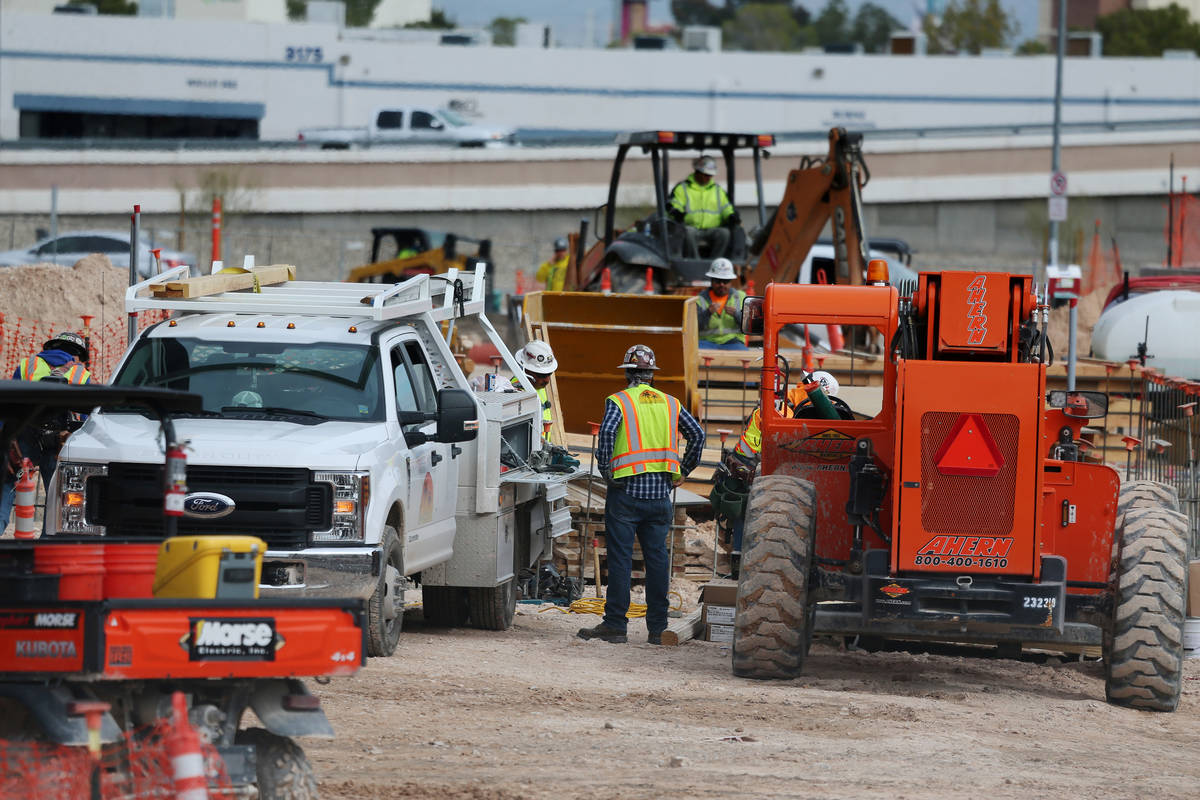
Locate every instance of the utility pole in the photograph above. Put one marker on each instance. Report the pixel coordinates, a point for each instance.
(1058, 179)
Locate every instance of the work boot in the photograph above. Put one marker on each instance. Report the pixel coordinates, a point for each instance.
(604, 634)
(654, 637)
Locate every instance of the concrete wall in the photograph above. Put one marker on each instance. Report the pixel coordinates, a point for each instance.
(1003, 234)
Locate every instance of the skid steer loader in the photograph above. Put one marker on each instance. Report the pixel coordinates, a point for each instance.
(965, 510)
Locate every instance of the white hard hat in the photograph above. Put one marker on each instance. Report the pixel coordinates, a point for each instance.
(537, 357)
(721, 269)
(706, 165)
(829, 384)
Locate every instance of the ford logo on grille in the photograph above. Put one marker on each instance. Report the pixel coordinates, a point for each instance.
(208, 505)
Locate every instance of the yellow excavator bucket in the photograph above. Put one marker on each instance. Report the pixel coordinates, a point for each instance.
(590, 333)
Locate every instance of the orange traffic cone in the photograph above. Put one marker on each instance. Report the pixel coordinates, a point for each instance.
(187, 758)
(750, 286)
(605, 281)
(649, 288)
(808, 351)
(23, 505)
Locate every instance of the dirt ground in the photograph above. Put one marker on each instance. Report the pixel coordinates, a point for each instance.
(535, 713)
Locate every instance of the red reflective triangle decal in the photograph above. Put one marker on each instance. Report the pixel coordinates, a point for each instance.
(969, 449)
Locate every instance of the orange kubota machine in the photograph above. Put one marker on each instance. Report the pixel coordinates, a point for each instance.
(965, 510)
(97, 659)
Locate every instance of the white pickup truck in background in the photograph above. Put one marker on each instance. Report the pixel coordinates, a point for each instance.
(411, 124)
(338, 427)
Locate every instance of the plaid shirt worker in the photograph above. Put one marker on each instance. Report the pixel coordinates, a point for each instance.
(648, 485)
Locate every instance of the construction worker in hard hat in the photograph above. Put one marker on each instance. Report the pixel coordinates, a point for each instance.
(705, 210)
(719, 309)
(61, 360)
(537, 361)
(637, 452)
(552, 274)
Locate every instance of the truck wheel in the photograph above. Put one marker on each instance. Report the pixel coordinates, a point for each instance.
(282, 769)
(385, 611)
(445, 606)
(1143, 650)
(493, 609)
(772, 625)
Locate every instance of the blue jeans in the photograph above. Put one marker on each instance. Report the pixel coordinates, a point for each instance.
(649, 520)
(732, 344)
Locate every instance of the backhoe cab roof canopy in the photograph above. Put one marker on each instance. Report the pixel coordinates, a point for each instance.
(696, 140)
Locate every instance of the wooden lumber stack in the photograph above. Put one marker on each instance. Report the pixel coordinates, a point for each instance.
(206, 285)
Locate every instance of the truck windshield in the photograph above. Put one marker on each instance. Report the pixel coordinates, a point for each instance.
(452, 118)
(325, 381)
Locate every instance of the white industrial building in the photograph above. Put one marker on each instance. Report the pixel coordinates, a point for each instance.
(137, 77)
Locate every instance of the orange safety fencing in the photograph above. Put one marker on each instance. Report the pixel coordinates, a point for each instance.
(20, 337)
(135, 767)
(1183, 231)
(1103, 269)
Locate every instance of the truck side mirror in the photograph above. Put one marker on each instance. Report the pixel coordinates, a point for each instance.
(1081, 405)
(457, 418)
(752, 316)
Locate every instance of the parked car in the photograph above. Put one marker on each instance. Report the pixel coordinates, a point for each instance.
(410, 124)
(69, 247)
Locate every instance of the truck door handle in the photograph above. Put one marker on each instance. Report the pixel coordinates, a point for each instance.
(435, 457)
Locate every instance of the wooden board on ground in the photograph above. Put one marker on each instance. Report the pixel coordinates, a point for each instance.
(206, 285)
(680, 630)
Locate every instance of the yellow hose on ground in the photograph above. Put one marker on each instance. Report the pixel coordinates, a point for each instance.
(595, 605)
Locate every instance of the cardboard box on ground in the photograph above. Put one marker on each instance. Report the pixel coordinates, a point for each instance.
(718, 599)
(1193, 600)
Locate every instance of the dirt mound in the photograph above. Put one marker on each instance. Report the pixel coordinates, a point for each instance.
(1090, 307)
(53, 296)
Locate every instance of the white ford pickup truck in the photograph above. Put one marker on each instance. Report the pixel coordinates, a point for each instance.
(338, 427)
(411, 125)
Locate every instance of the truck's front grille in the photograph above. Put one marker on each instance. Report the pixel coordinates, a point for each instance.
(280, 506)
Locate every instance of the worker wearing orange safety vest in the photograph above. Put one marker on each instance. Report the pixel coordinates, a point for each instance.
(637, 451)
(61, 359)
(719, 309)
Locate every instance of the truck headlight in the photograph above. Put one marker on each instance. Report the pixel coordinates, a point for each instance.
(72, 497)
(351, 493)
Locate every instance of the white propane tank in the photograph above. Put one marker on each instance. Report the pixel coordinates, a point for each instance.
(1174, 330)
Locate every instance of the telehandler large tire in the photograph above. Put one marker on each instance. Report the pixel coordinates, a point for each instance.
(282, 769)
(772, 626)
(1143, 650)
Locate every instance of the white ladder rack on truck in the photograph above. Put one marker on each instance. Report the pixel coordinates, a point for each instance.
(422, 294)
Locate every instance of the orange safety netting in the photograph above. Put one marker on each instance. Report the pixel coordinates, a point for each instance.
(1102, 272)
(135, 767)
(1183, 231)
(21, 337)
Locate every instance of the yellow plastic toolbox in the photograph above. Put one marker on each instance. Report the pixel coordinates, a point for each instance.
(226, 567)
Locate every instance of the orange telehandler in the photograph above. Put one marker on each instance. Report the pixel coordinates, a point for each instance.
(819, 191)
(965, 510)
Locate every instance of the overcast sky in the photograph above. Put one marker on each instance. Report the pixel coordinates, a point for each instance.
(573, 20)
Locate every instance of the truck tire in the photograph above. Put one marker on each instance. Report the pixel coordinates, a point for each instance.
(772, 625)
(445, 606)
(1143, 649)
(385, 610)
(493, 609)
(282, 769)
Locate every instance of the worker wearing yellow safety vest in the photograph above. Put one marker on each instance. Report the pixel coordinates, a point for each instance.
(61, 360)
(637, 451)
(552, 274)
(538, 362)
(705, 210)
(719, 309)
